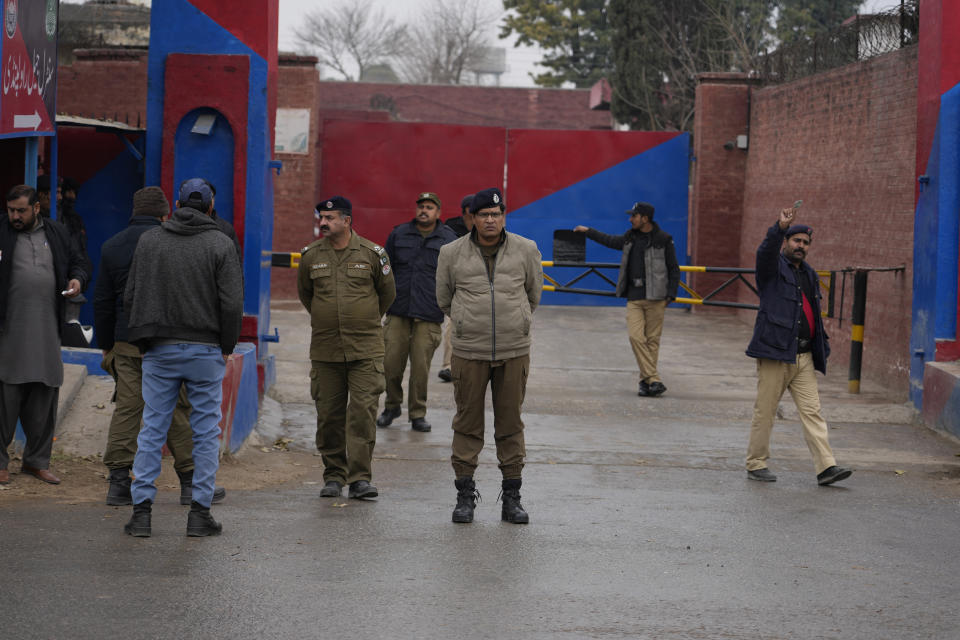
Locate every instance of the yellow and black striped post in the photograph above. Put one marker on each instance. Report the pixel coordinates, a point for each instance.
(856, 336)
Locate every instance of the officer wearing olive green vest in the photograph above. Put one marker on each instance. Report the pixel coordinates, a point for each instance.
(346, 284)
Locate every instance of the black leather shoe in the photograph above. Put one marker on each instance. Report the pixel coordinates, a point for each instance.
(467, 497)
(361, 490)
(139, 524)
(331, 489)
(446, 375)
(644, 389)
(656, 388)
(832, 474)
(118, 494)
(762, 475)
(200, 523)
(420, 424)
(388, 416)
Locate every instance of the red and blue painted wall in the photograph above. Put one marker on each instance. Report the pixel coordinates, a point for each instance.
(551, 179)
(936, 303)
(211, 105)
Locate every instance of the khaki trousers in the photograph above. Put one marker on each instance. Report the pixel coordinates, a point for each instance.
(447, 346)
(645, 324)
(508, 381)
(346, 395)
(773, 378)
(125, 364)
(416, 340)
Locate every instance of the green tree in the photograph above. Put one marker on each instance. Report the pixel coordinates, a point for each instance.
(659, 47)
(575, 35)
(803, 19)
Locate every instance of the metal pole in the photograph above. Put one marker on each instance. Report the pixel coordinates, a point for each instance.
(856, 334)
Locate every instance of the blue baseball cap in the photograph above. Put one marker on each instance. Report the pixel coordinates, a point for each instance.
(195, 191)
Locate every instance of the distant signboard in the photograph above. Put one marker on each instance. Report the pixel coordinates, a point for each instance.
(292, 131)
(29, 73)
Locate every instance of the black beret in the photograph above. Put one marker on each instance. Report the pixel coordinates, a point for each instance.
(466, 202)
(800, 228)
(643, 208)
(487, 198)
(336, 203)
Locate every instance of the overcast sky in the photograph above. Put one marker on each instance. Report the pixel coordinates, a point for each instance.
(520, 61)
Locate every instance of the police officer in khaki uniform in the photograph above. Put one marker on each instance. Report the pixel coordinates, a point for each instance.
(346, 284)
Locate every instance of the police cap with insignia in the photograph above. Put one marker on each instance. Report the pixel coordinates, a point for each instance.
(336, 203)
(487, 198)
(431, 196)
(641, 208)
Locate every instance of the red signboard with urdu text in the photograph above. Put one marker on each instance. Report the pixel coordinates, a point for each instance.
(29, 73)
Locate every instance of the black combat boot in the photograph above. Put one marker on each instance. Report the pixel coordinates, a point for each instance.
(200, 523)
(139, 524)
(512, 509)
(186, 489)
(467, 497)
(118, 494)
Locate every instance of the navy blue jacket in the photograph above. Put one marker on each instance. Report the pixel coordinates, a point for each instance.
(781, 306)
(69, 261)
(414, 261)
(116, 254)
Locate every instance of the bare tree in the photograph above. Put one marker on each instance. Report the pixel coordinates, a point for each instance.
(448, 39)
(349, 38)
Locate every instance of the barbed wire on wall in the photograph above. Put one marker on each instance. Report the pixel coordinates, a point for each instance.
(860, 38)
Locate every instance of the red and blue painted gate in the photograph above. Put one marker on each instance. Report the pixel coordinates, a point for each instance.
(551, 179)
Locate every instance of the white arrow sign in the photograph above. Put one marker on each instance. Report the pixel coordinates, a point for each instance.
(29, 121)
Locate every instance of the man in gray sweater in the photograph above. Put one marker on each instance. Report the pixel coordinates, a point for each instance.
(185, 302)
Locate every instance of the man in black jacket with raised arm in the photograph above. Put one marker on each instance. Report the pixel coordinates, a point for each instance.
(648, 279)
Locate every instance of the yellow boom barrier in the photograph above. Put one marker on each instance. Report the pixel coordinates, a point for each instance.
(291, 260)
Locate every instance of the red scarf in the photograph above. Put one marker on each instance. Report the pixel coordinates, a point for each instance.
(808, 311)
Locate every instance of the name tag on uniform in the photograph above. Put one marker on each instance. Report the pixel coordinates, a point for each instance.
(359, 265)
(319, 265)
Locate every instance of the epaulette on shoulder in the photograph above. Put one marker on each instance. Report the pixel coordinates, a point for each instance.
(373, 246)
(313, 244)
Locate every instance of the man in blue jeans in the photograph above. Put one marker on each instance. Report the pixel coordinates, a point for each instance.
(185, 302)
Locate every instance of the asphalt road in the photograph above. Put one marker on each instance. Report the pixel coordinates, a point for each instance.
(643, 524)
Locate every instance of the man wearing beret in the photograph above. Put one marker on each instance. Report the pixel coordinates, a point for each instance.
(489, 282)
(346, 284)
(648, 279)
(184, 299)
(124, 361)
(789, 344)
(461, 225)
(412, 329)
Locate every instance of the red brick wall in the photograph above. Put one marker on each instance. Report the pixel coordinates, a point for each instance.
(844, 142)
(109, 83)
(721, 114)
(483, 106)
(294, 190)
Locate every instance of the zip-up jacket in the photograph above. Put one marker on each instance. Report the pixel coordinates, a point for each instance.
(778, 321)
(660, 269)
(116, 254)
(414, 260)
(491, 314)
(184, 284)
